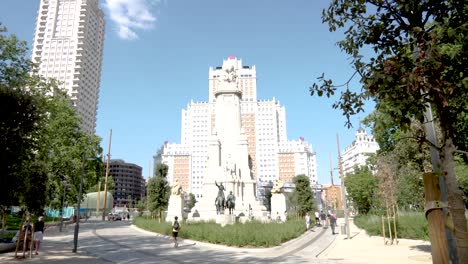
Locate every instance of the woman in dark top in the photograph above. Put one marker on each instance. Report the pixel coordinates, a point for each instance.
(38, 233)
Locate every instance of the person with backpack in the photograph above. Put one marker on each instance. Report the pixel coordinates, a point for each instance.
(175, 231)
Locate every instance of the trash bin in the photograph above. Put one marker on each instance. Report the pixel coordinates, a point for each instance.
(343, 229)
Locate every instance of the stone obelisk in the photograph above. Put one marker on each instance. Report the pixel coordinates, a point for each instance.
(228, 159)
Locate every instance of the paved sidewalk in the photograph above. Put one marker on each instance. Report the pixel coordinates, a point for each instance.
(315, 246)
(362, 248)
(55, 249)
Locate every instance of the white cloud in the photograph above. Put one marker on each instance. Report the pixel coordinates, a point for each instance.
(130, 16)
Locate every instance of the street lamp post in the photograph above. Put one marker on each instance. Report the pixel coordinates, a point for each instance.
(104, 209)
(343, 188)
(62, 207)
(77, 223)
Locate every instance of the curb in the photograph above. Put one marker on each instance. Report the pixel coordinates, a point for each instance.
(287, 248)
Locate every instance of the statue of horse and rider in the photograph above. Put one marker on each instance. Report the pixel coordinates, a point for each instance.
(221, 203)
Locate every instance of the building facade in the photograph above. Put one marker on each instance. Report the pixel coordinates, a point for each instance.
(263, 122)
(68, 46)
(331, 196)
(357, 153)
(128, 182)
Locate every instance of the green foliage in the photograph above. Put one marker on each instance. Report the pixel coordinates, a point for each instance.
(42, 145)
(110, 185)
(161, 170)
(13, 222)
(6, 235)
(20, 121)
(141, 206)
(362, 188)
(22, 116)
(461, 170)
(250, 234)
(418, 63)
(410, 225)
(158, 192)
(303, 195)
(410, 188)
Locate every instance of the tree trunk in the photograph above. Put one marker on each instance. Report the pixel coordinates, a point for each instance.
(454, 195)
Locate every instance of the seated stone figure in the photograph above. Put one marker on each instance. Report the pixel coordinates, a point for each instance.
(277, 185)
(176, 188)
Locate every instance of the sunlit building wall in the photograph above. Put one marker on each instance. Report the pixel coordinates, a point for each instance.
(262, 121)
(68, 46)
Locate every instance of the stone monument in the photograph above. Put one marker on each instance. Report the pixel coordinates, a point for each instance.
(228, 158)
(176, 205)
(278, 202)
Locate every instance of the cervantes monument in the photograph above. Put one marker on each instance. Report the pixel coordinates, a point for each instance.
(228, 158)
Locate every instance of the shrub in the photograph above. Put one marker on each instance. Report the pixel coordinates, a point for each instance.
(411, 225)
(250, 234)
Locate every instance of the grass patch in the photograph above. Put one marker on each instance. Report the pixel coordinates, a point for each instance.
(13, 222)
(411, 225)
(250, 234)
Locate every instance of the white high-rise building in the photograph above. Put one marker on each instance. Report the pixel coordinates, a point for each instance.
(68, 45)
(357, 153)
(271, 155)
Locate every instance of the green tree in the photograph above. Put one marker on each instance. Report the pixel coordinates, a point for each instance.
(63, 144)
(158, 191)
(267, 200)
(408, 159)
(20, 123)
(42, 145)
(22, 115)
(110, 185)
(361, 187)
(303, 195)
(161, 170)
(157, 159)
(141, 206)
(419, 59)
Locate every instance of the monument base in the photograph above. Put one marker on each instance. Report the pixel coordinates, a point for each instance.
(175, 208)
(278, 207)
(226, 219)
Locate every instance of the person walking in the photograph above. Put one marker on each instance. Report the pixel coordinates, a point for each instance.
(332, 220)
(307, 220)
(175, 231)
(317, 218)
(39, 228)
(323, 218)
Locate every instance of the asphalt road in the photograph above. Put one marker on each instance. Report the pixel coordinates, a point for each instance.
(120, 242)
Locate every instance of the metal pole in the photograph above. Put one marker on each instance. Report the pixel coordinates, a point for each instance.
(77, 223)
(431, 136)
(63, 204)
(343, 188)
(333, 190)
(98, 200)
(104, 209)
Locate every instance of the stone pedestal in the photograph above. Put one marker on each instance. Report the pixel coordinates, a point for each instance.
(225, 219)
(175, 208)
(278, 206)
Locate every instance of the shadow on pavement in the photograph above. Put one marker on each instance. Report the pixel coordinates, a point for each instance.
(424, 248)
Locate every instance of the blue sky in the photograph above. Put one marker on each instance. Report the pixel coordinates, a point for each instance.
(157, 55)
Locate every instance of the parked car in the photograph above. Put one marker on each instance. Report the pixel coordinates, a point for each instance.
(116, 217)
